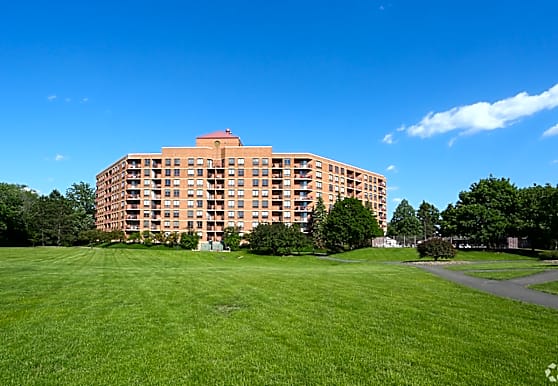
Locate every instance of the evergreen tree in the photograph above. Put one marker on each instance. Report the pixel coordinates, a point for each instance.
(404, 221)
(429, 218)
(316, 226)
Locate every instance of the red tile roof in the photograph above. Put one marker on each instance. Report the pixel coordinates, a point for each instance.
(218, 134)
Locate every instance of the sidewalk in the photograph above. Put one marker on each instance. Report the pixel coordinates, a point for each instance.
(512, 289)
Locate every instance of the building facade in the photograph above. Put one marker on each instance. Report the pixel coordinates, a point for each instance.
(221, 183)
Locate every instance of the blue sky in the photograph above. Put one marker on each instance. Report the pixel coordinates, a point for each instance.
(434, 94)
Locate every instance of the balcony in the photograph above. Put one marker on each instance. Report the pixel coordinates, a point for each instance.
(303, 198)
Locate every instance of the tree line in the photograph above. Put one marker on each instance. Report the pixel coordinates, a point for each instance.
(491, 210)
(29, 218)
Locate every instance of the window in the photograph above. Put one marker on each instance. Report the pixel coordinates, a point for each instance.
(167, 213)
(147, 162)
(176, 193)
(190, 172)
(230, 224)
(146, 192)
(336, 179)
(231, 161)
(199, 182)
(255, 172)
(287, 193)
(230, 204)
(265, 182)
(167, 192)
(190, 224)
(199, 203)
(176, 213)
(230, 182)
(190, 192)
(265, 172)
(330, 177)
(190, 182)
(190, 161)
(167, 172)
(265, 204)
(167, 224)
(199, 213)
(146, 172)
(199, 193)
(240, 214)
(255, 214)
(241, 161)
(200, 172)
(287, 172)
(146, 213)
(330, 168)
(240, 182)
(343, 171)
(167, 182)
(176, 203)
(255, 204)
(190, 203)
(255, 183)
(190, 214)
(177, 162)
(330, 187)
(240, 203)
(265, 193)
(240, 193)
(318, 184)
(330, 197)
(167, 203)
(176, 182)
(265, 214)
(199, 224)
(167, 162)
(146, 182)
(287, 204)
(240, 172)
(231, 172)
(318, 174)
(230, 214)
(175, 224)
(287, 214)
(255, 193)
(287, 182)
(287, 162)
(319, 164)
(240, 224)
(231, 193)
(255, 161)
(200, 161)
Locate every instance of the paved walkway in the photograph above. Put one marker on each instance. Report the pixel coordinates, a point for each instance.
(512, 289)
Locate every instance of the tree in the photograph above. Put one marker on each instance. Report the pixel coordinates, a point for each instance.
(189, 240)
(81, 197)
(276, 239)
(404, 221)
(436, 248)
(487, 213)
(316, 226)
(53, 221)
(538, 209)
(231, 238)
(350, 225)
(429, 218)
(17, 203)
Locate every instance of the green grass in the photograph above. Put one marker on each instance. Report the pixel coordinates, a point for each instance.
(119, 317)
(504, 275)
(550, 287)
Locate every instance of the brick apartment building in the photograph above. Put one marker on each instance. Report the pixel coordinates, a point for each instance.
(221, 183)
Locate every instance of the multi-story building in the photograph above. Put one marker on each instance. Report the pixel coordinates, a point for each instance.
(221, 183)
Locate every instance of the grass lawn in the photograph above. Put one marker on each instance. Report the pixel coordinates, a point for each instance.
(550, 287)
(119, 317)
(504, 275)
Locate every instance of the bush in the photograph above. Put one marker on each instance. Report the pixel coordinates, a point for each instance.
(436, 248)
(549, 255)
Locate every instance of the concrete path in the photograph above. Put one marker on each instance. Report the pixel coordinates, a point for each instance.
(512, 289)
(340, 260)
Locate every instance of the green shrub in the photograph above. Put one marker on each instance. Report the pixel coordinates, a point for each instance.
(436, 248)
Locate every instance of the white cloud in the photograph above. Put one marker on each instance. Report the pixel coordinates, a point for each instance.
(388, 138)
(391, 188)
(452, 141)
(554, 161)
(391, 168)
(396, 200)
(50, 98)
(481, 116)
(68, 100)
(552, 131)
(84, 100)
(59, 157)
